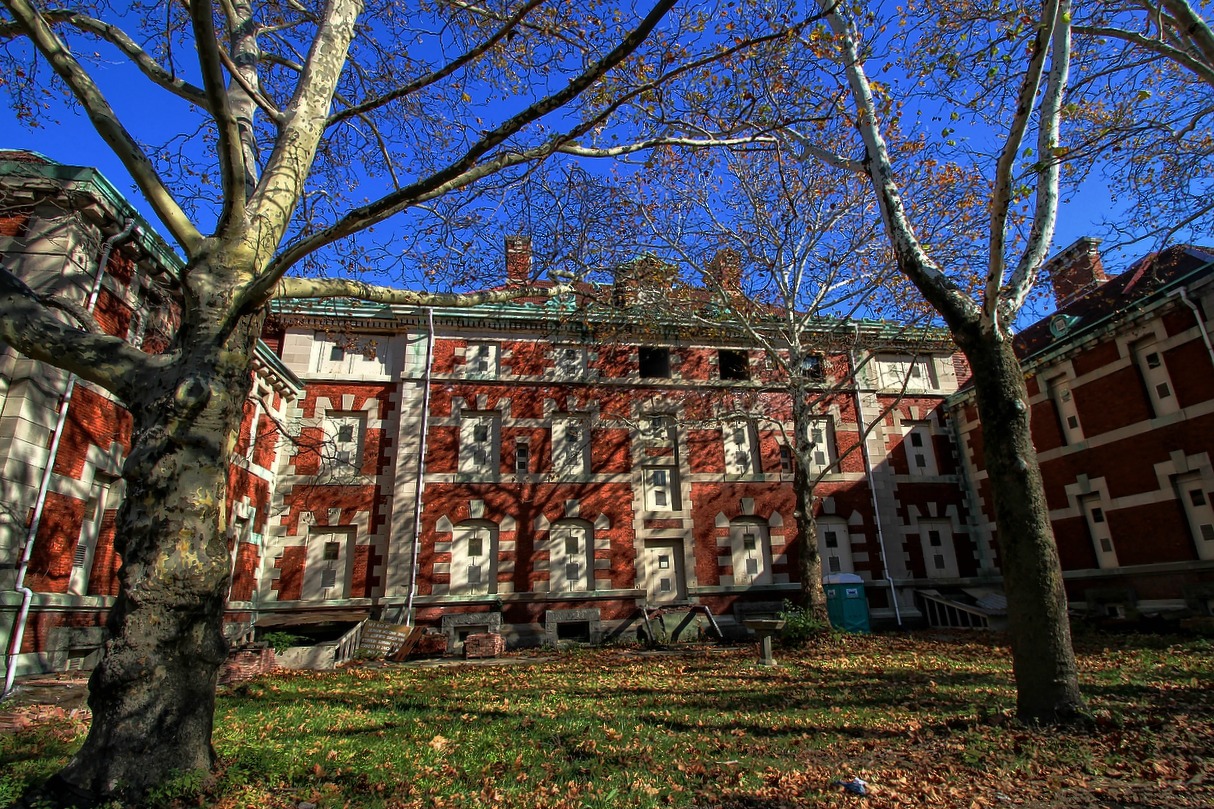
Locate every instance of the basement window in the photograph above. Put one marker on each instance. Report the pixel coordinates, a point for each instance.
(733, 365)
(655, 362)
(573, 631)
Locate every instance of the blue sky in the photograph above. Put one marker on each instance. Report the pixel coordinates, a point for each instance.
(68, 137)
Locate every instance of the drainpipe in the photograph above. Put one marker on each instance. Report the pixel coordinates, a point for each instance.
(27, 595)
(1183, 294)
(421, 464)
(868, 475)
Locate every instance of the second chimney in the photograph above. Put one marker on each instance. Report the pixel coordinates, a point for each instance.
(726, 269)
(1076, 271)
(518, 259)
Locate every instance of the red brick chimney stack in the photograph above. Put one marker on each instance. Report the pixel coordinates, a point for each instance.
(726, 269)
(1076, 271)
(518, 259)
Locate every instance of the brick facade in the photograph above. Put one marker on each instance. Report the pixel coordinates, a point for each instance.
(577, 471)
(1126, 462)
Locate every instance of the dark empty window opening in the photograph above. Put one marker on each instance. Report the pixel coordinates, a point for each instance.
(785, 460)
(337, 354)
(522, 457)
(655, 362)
(576, 631)
(1198, 497)
(332, 551)
(733, 365)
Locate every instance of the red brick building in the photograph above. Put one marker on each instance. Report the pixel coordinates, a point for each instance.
(570, 471)
(551, 469)
(1121, 382)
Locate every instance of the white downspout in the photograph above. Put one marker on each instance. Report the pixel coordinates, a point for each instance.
(868, 475)
(421, 465)
(1201, 324)
(27, 595)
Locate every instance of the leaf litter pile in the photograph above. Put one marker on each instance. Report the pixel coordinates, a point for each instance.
(922, 720)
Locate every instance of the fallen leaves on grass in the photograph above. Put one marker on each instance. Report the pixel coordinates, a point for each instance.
(924, 721)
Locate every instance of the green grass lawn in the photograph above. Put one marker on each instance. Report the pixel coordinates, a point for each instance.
(925, 720)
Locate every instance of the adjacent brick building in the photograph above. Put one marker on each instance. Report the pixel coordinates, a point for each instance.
(1121, 382)
(578, 469)
(66, 232)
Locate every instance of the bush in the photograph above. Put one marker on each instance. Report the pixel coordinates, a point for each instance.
(800, 626)
(281, 641)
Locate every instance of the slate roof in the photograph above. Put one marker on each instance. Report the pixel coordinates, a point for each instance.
(1146, 281)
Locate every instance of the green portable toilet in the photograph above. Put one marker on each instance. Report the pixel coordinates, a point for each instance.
(846, 603)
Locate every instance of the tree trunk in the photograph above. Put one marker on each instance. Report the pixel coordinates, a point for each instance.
(1043, 660)
(809, 565)
(153, 693)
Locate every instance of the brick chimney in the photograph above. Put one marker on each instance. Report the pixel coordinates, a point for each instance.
(726, 269)
(518, 259)
(1076, 271)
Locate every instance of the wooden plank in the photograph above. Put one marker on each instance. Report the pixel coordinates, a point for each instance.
(406, 648)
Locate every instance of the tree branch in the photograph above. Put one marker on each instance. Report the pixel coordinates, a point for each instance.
(1201, 70)
(913, 260)
(466, 168)
(1193, 27)
(295, 288)
(289, 163)
(229, 150)
(1001, 193)
(106, 122)
(119, 39)
(421, 82)
(1045, 213)
(111, 362)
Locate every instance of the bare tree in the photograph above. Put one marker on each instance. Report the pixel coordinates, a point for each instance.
(1137, 110)
(784, 255)
(981, 323)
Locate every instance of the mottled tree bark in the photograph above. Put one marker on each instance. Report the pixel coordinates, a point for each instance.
(1047, 686)
(153, 693)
